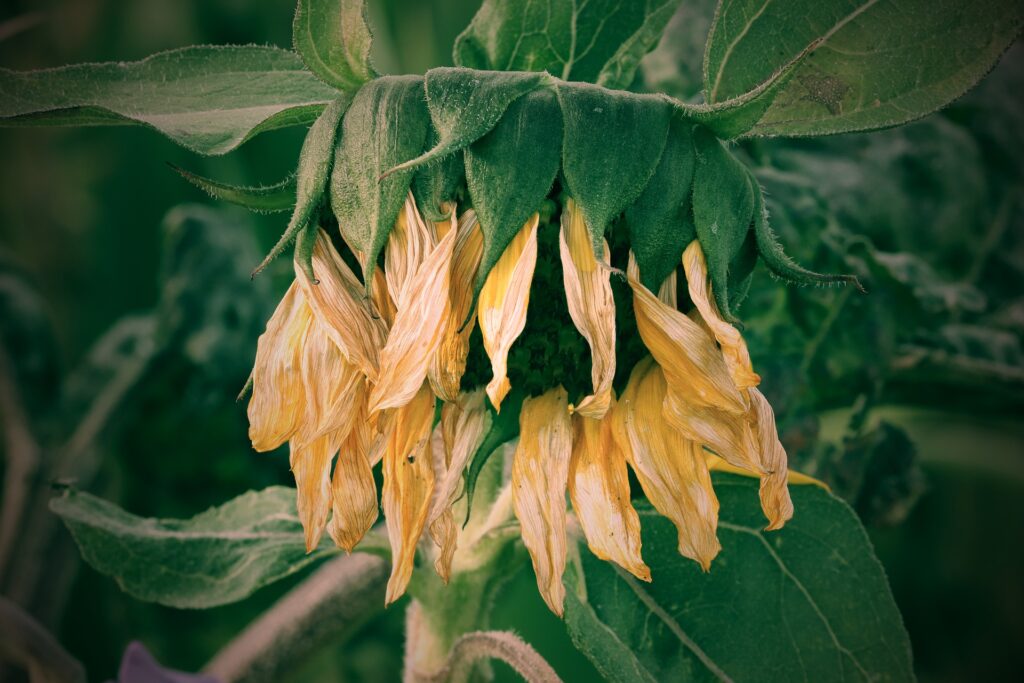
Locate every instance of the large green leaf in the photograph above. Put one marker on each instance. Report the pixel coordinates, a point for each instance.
(601, 41)
(333, 38)
(878, 63)
(209, 99)
(809, 602)
(217, 557)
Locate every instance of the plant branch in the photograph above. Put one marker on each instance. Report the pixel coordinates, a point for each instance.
(29, 646)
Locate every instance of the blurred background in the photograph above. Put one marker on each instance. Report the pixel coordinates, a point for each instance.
(129, 324)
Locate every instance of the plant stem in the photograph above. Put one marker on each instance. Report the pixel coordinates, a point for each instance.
(29, 646)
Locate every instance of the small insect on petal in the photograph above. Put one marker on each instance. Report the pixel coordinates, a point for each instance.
(588, 291)
(540, 471)
(503, 302)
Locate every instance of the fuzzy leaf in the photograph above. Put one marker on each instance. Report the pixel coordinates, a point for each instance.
(510, 170)
(879, 63)
(723, 205)
(613, 142)
(386, 125)
(599, 41)
(659, 222)
(333, 38)
(438, 182)
(261, 198)
(217, 557)
(809, 602)
(208, 99)
(465, 105)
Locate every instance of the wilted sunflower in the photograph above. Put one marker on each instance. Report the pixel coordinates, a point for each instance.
(355, 371)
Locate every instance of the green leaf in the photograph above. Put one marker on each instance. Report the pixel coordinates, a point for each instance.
(438, 182)
(333, 38)
(879, 64)
(465, 104)
(599, 41)
(208, 99)
(659, 222)
(613, 142)
(217, 557)
(504, 428)
(723, 205)
(260, 198)
(311, 181)
(674, 66)
(510, 170)
(809, 602)
(386, 125)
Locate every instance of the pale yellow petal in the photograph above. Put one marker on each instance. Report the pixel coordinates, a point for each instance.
(339, 301)
(691, 360)
(503, 302)
(727, 434)
(330, 383)
(409, 243)
(734, 349)
(311, 467)
(408, 485)
(540, 471)
(667, 293)
(793, 478)
(278, 404)
(588, 291)
(449, 361)
(775, 500)
(464, 424)
(354, 491)
(670, 468)
(599, 490)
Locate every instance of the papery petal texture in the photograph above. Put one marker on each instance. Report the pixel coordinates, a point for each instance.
(311, 467)
(330, 383)
(775, 499)
(354, 492)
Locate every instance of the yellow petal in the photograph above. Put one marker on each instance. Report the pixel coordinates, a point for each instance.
(464, 424)
(408, 485)
(588, 291)
(408, 245)
(540, 470)
(449, 361)
(503, 303)
(734, 349)
(775, 500)
(354, 491)
(793, 478)
(691, 360)
(339, 302)
(670, 468)
(419, 327)
(330, 383)
(667, 292)
(277, 405)
(727, 434)
(599, 490)
(311, 467)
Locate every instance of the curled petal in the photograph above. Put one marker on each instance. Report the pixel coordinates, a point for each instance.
(330, 383)
(409, 244)
(408, 485)
(503, 302)
(278, 404)
(727, 434)
(464, 424)
(588, 291)
(691, 360)
(418, 330)
(353, 488)
(338, 301)
(793, 478)
(540, 470)
(311, 467)
(670, 468)
(599, 490)
(734, 349)
(775, 500)
(449, 361)
(667, 292)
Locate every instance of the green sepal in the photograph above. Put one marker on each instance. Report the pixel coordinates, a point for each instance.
(659, 222)
(311, 178)
(466, 104)
(274, 198)
(776, 259)
(741, 271)
(613, 142)
(504, 428)
(386, 125)
(438, 182)
(333, 38)
(723, 206)
(305, 241)
(510, 170)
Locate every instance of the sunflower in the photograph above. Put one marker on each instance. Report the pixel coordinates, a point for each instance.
(351, 372)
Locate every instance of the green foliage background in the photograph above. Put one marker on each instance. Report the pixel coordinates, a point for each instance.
(930, 215)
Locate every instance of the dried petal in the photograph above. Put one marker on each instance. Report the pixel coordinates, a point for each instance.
(330, 383)
(588, 291)
(449, 361)
(793, 478)
(599, 490)
(734, 349)
(670, 468)
(540, 470)
(775, 500)
(503, 302)
(408, 485)
(278, 401)
(311, 467)
(353, 488)
(409, 243)
(727, 434)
